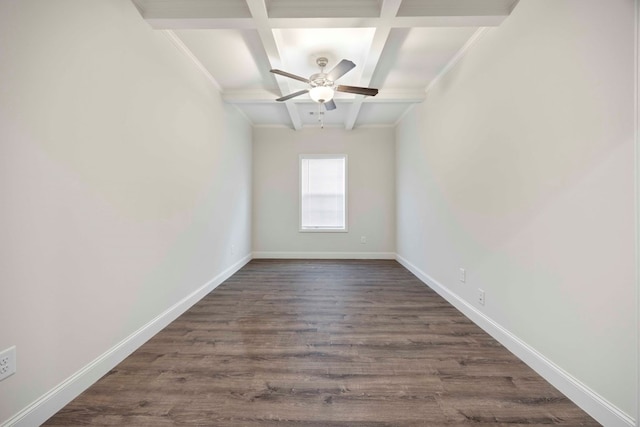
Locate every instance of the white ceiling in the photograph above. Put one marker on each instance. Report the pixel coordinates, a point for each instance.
(398, 46)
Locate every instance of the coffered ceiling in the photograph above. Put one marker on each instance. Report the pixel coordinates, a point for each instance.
(398, 46)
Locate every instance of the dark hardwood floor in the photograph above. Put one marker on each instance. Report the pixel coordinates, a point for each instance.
(321, 343)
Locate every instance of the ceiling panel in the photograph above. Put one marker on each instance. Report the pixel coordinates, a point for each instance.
(300, 48)
(311, 113)
(324, 8)
(235, 58)
(186, 8)
(423, 54)
(381, 114)
(266, 114)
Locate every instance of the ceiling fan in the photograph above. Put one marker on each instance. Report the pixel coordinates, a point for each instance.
(322, 84)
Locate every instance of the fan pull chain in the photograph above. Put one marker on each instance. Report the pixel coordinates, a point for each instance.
(320, 116)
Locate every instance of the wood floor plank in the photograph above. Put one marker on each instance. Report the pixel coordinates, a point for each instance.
(321, 343)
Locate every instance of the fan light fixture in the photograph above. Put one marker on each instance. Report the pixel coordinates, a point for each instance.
(321, 94)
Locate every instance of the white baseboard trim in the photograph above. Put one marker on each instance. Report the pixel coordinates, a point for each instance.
(325, 255)
(591, 402)
(54, 400)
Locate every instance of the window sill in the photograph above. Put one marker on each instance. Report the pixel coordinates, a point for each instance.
(323, 230)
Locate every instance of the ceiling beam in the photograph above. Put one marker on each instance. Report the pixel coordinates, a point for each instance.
(388, 12)
(258, 10)
(266, 97)
(456, 7)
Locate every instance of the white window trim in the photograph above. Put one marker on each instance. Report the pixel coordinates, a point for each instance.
(346, 194)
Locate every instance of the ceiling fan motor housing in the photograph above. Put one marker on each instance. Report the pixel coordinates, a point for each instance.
(320, 79)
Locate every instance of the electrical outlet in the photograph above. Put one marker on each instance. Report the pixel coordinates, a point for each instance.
(462, 275)
(480, 296)
(363, 239)
(7, 362)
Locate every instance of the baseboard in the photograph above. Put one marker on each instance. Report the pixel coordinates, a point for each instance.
(325, 255)
(591, 402)
(54, 400)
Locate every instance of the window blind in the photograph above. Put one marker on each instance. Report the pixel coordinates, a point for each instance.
(323, 193)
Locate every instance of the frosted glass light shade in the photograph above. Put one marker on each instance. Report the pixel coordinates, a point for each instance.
(321, 94)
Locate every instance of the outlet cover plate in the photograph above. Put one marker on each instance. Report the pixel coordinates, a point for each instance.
(8, 362)
(480, 296)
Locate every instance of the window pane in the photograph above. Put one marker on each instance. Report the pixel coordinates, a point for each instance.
(323, 193)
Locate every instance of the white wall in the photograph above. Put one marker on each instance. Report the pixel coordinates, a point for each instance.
(371, 189)
(124, 181)
(519, 167)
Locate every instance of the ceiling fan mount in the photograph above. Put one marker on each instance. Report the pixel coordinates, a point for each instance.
(322, 62)
(322, 86)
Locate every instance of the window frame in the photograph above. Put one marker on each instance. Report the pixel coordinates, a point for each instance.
(346, 190)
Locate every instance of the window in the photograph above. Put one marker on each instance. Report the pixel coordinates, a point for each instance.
(323, 192)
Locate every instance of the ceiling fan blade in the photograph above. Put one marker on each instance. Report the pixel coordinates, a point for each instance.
(358, 90)
(340, 70)
(293, 95)
(291, 76)
(330, 105)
